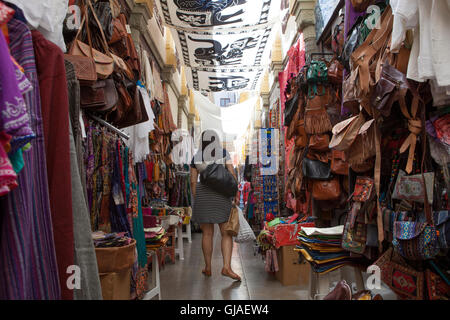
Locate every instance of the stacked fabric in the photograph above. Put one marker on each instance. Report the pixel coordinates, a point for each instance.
(321, 247)
(108, 240)
(155, 237)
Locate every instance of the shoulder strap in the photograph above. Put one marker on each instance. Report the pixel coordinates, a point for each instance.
(374, 42)
(426, 204)
(104, 42)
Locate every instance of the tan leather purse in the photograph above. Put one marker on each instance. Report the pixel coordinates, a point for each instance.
(363, 147)
(345, 132)
(316, 116)
(104, 63)
(350, 92)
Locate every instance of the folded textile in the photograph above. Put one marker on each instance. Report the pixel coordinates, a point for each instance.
(338, 230)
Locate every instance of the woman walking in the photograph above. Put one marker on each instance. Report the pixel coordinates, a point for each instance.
(210, 206)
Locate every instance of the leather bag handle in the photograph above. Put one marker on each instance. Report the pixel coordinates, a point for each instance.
(104, 43)
(84, 22)
(364, 53)
(426, 204)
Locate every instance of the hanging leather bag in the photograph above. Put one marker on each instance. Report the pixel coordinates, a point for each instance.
(136, 114)
(345, 132)
(350, 92)
(104, 64)
(335, 71)
(315, 169)
(317, 119)
(100, 96)
(84, 68)
(339, 164)
(391, 86)
(363, 146)
(370, 48)
(319, 142)
(326, 189)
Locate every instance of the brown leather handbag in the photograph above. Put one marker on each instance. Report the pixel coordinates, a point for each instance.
(369, 52)
(319, 142)
(84, 68)
(137, 113)
(124, 104)
(335, 70)
(104, 63)
(326, 189)
(391, 87)
(339, 164)
(345, 132)
(100, 97)
(302, 139)
(350, 92)
(363, 147)
(316, 116)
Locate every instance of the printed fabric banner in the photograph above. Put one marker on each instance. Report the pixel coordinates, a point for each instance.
(209, 14)
(243, 48)
(223, 79)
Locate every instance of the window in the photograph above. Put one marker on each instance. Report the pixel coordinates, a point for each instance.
(224, 102)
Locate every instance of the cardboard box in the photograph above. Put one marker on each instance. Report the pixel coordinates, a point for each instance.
(291, 273)
(116, 285)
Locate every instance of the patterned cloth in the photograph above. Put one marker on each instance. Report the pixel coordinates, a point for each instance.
(8, 177)
(14, 118)
(28, 268)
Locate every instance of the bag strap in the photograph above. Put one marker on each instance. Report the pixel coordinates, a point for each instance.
(84, 22)
(415, 127)
(373, 43)
(377, 179)
(426, 204)
(104, 43)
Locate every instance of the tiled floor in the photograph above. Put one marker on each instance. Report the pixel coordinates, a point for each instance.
(184, 280)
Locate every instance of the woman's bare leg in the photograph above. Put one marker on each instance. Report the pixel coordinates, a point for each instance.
(207, 245)
(227, 250)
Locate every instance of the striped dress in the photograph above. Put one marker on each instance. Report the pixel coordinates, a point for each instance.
(209, 205)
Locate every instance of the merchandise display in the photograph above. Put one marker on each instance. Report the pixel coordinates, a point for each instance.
(327, 122)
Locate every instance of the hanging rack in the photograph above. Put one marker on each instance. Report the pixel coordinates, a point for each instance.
(110, 126)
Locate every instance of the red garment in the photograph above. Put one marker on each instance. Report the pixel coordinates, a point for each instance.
(55, 117)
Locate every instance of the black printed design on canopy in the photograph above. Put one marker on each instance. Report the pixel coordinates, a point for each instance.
(237, 48)
(223, 42)
(205, 79)
(214, 13)
(208, 13)
(215, 54)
